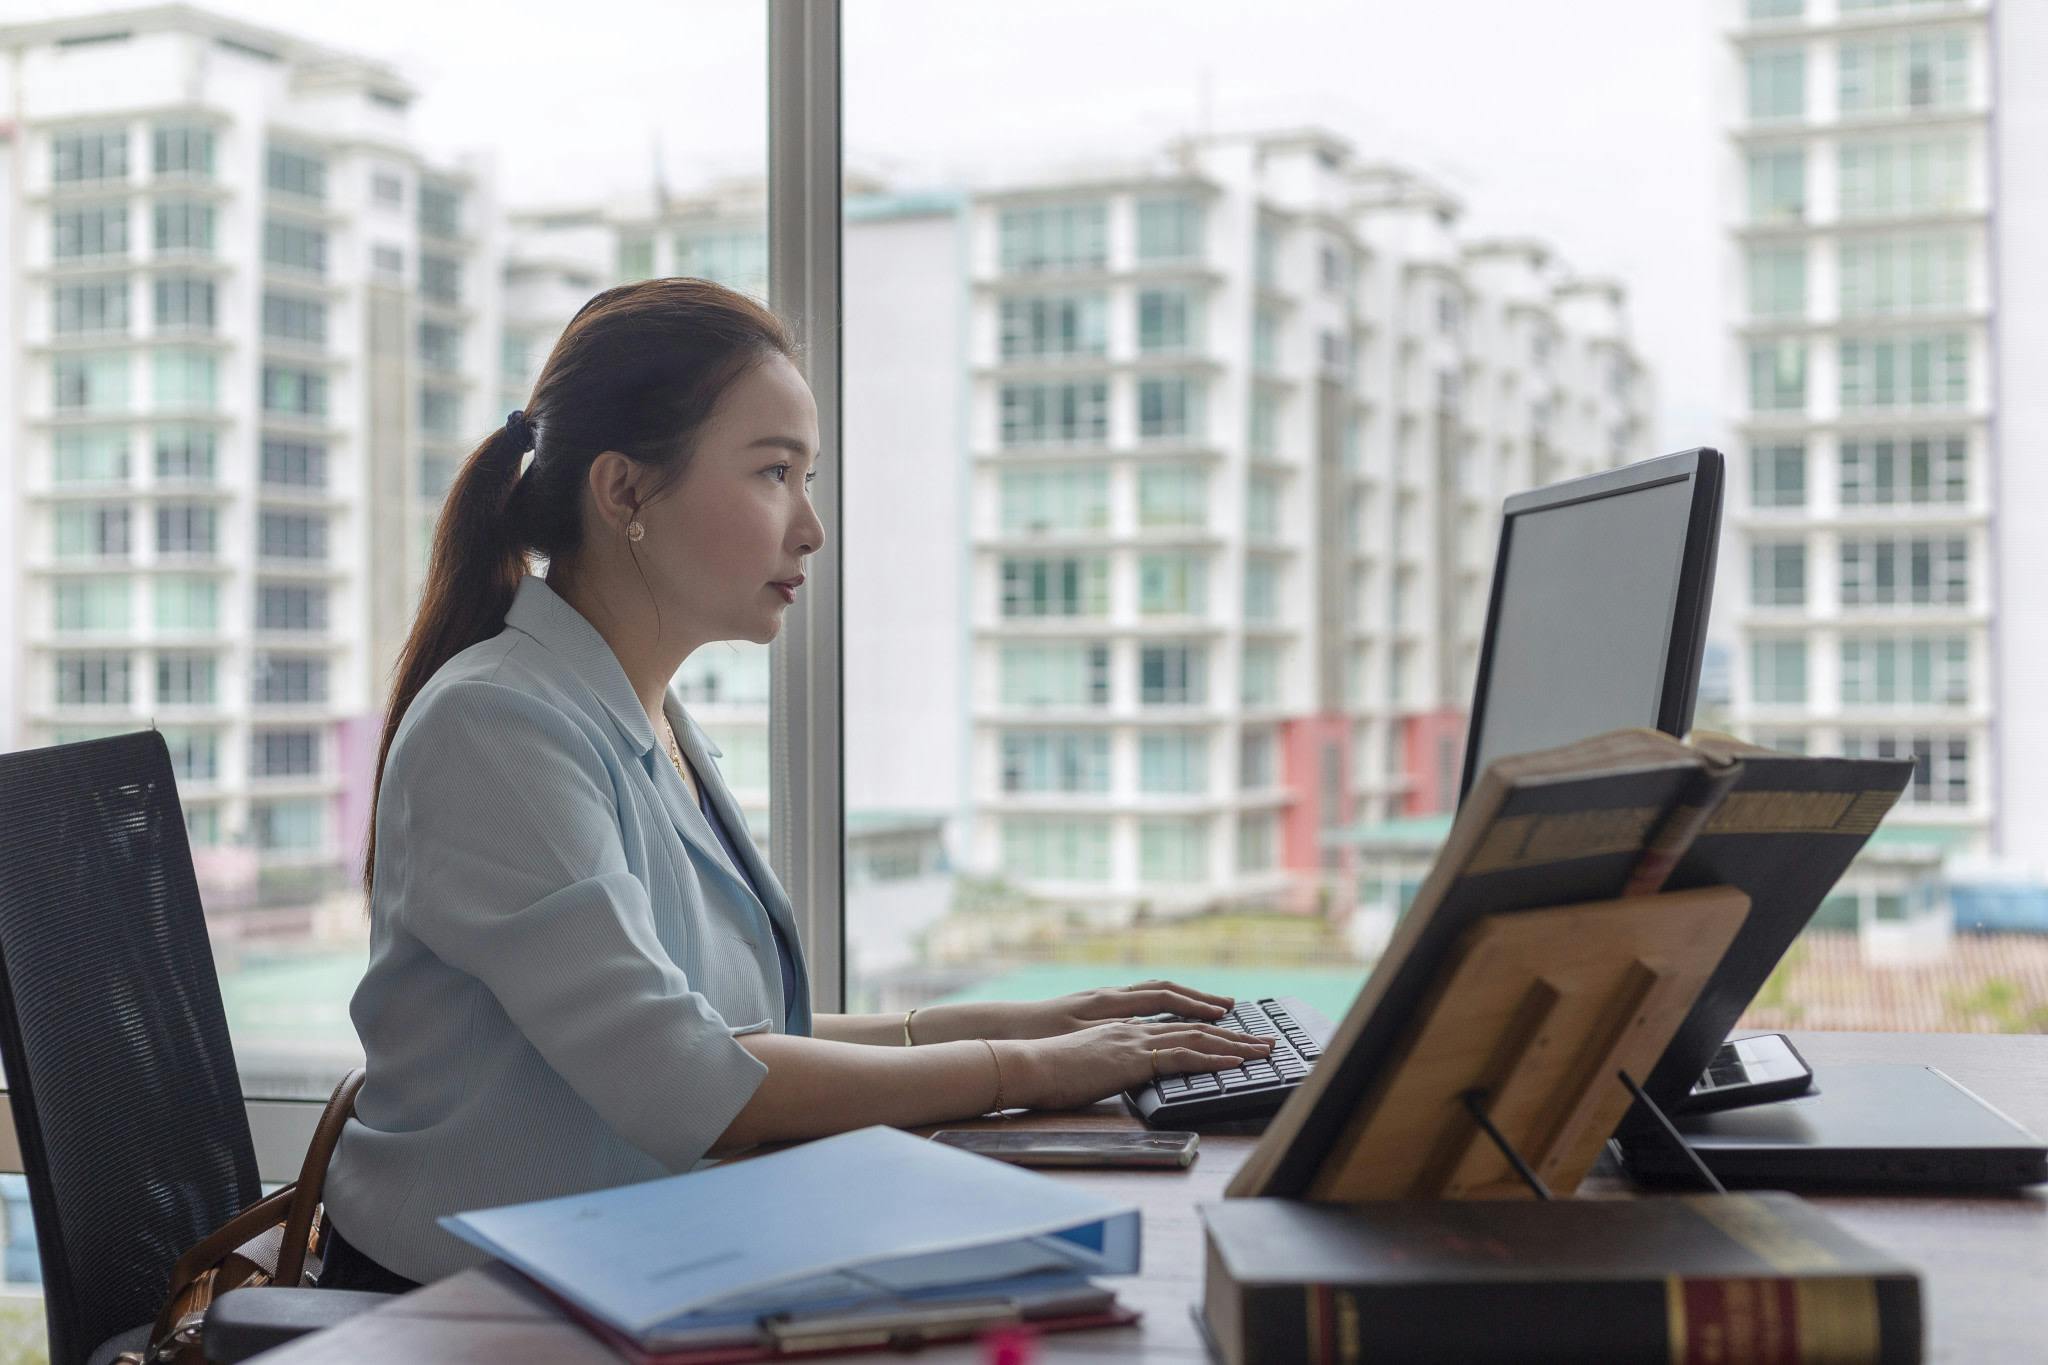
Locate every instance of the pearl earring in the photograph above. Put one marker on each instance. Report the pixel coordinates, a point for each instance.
(635, 532)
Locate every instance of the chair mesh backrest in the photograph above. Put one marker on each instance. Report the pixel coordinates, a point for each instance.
(119, 1070)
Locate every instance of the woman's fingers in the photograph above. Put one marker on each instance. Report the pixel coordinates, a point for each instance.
(1176, 1060)
(1173, 1001)
(1206, 1039)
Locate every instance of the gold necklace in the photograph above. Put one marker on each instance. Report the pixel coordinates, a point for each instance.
(675, 756)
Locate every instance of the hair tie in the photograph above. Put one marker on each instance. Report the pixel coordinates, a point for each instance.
(521, 429)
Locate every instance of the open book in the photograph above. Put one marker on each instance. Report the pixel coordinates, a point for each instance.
(1626, 813)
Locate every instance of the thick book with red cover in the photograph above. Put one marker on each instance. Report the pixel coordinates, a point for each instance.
(1762, 1279)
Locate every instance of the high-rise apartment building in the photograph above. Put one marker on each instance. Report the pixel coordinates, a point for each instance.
(1890, 277)
(1239, 427)
(241, 316)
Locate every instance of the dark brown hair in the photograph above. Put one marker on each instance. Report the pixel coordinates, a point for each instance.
(638, 370)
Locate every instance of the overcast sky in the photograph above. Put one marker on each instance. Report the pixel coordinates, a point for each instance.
(1590, 124)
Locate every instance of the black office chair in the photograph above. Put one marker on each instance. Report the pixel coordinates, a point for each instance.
(126, 1101)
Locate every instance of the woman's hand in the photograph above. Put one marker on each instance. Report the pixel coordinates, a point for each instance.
(1086, 1009)
(1081, 1067)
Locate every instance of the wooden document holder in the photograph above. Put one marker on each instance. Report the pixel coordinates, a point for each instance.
(1536, 1011)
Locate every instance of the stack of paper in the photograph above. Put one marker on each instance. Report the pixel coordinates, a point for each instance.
(868, 1217)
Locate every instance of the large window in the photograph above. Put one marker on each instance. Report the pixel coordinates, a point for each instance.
(1906, 670)
(1169, 230)
(1777, 185)
(1777, 475)
(86, 306)
(187, 530)
(1066, 413)
(1905, 570)
(1055, 326)
(1897, 73)
(1053, 675)
(1777, 574)
(1923, 173)
(1905, 372)
(1055, 761)
(1064, 501)
(1777, 83)
(98, 230)
(1881, 276)
(1044, 238)
(1887, 471)
(1778, 677)
(1075, 585)
(1777, 281)
(1777, 377)
(78, 158)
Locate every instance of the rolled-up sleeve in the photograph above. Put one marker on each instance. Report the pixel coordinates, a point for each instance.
(516, 874)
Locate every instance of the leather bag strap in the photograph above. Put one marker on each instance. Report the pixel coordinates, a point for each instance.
(305, 1203)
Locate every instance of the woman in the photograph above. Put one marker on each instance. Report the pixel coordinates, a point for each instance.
(581, 973)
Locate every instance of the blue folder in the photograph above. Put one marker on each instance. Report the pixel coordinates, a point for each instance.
(865, 1216)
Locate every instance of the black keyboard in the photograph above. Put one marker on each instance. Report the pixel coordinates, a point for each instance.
(1253, 1090)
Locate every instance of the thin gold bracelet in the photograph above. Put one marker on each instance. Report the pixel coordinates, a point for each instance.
(908, 1041)
(997, 1107)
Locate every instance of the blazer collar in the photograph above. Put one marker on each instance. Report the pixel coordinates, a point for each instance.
(537, 610)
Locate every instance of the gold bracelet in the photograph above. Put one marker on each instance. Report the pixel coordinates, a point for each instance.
(907, 1040)
(997, 1107)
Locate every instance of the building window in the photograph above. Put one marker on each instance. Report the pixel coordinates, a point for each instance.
(1055, 675)
(294, 392)
(1173, 849)
(1055, 414)
(1257, 835)
(1909, 175)
(1055, 762)
(293, 464)
(1055, 326)
(1172, 584)
(440, 346)
(1777, 83)
(441, 279)
(1169, 230)
(1777, 574)
(1777, 281)
(1903, 275)
(182, 227)
(1941, 764)
(387, 262)
(1173, 495)
(101, 230)
(185, 679)
(292, 172)
(1777, 475)
(92, 530)
(1255, 764)
(387, 189)
(92, 679)
(95, 382)
(1886, 571)
(182, 150)
(635, 258)
(288, 826)
(86, 157)
(440, 211)
(1778, 676)
(185, 379)
(290, 606)
(1169, 408)
(1265, 340)
(86, 306)
(187, 528)
(1263, 435)
(1042, 849)
(1166, 321)
(1172, 675)
(292, 246)
(737, 259)
(284, 753)
(195, 754)
(1911, 670)
(89, 604)
(288, 680)
(1071, 586)
(89, 455)
(184, 304)
(441, 412)
(185, 603)
(1175, 762)
(1916, 372)
(1041, 501)
(1259, 684)
(294, 318)
(1777, 186)
(1060, 237)
(1776, 9)
(184, 454)
(292, 535)
(1885, 471)
(1777, 377)
(1895, 74)
(1261, 590)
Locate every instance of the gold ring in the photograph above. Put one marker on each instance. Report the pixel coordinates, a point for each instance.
(1155, 1063)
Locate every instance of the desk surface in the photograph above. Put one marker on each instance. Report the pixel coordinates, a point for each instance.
(1983, 1261)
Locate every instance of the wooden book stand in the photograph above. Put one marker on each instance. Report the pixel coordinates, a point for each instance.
(1533, 1017)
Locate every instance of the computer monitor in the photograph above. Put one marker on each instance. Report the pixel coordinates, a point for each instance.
(1599, 610)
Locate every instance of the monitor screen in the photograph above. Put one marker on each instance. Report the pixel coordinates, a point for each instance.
(1582, 628)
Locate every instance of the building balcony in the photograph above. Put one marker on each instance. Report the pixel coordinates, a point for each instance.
(1861, 324)
(1888, 121)
(1746, 30)
(1791, 228)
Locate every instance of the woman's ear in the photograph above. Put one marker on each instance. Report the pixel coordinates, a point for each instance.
(614, 491)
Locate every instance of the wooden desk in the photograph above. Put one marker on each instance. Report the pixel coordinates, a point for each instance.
(1983, 1261)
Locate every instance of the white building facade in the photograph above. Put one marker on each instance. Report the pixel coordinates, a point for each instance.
(242, 314)
(1240, 423)
(1885, 459)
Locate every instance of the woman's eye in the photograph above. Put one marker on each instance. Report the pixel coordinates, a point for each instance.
(781, 472)
(810, 478)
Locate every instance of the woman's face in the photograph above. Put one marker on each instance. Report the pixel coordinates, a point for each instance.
(727, 541)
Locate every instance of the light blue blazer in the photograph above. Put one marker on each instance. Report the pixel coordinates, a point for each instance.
(560, 950)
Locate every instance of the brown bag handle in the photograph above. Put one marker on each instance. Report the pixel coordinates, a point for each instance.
(298, 1224)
